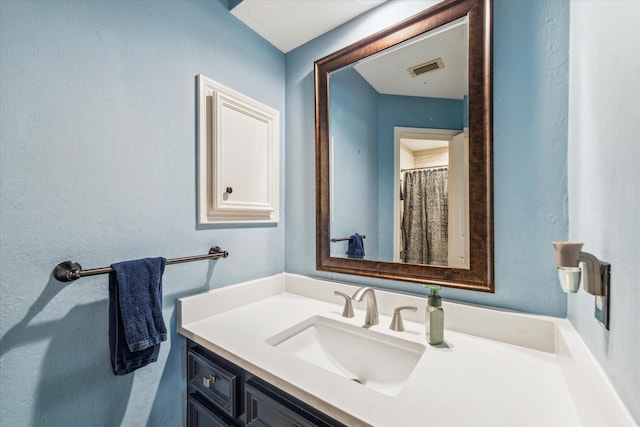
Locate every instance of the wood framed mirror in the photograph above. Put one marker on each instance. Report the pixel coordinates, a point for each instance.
(361, 120)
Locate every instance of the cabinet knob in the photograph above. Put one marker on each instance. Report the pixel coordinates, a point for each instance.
(229, 190)
(208, 380)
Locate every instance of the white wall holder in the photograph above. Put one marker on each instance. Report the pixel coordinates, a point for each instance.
(596, 280)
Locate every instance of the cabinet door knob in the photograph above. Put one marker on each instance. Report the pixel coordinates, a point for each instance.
(229, 190)
(207, 381)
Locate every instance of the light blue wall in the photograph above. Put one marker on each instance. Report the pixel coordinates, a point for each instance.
(530, 139)
(98, 164)
(354, 130)
(604, 180)
(405, 111)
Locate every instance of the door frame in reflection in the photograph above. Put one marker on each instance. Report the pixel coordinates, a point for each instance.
(461, 206)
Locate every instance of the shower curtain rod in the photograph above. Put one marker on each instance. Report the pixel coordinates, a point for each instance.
(424, 167)
(68, 271)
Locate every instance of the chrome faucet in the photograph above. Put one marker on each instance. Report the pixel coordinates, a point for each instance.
(371, 317)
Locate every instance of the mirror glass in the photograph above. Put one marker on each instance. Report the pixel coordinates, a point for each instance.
(404, 151)
(399, 155)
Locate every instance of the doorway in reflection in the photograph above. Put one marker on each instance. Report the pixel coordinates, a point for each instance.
(431, 206)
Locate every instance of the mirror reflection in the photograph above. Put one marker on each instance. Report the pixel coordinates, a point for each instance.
(399, 152)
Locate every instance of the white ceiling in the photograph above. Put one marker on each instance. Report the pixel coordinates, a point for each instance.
(387, 71)
(415, 144)
(287, 24)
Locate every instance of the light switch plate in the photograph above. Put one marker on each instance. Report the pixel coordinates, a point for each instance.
(602, 302)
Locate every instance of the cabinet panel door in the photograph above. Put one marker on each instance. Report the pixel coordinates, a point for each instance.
(267, 406)
(238, 157)
(244, 150)
(198, 415)
(216, 383)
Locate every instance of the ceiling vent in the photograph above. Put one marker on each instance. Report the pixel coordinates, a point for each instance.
(425, 67)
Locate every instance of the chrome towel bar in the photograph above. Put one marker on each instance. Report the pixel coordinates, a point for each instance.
(68, 271)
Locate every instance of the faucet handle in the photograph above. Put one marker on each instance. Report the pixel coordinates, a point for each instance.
(396, 321)
(347, 311)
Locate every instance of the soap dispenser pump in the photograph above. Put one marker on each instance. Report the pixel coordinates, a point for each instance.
(434, 324)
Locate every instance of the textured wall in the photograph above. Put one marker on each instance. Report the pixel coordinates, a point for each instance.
(354, 126)
(530, 137)
(604, 179)
(97, 164)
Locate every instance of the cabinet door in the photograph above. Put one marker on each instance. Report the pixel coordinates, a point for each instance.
(215, 381)
(238, 157)
(199, 415)
(268, 406)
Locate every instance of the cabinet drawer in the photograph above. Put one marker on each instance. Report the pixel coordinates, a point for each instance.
(199, 415)
(267, 406)
(218, 383)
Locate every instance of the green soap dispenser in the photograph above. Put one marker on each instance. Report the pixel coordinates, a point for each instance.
(434, 324)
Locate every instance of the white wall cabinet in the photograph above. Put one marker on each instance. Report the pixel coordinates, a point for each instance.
(238, 157)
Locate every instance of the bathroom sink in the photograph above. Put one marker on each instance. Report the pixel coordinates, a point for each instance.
(380, 362)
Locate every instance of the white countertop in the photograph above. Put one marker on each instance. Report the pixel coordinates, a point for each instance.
(479, 378)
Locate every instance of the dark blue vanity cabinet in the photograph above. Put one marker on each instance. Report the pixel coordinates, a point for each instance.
(214, 389)
(223, 394)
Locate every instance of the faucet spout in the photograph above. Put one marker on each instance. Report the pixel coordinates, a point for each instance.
(371, 317)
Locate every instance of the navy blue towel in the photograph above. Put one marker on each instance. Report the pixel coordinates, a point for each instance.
(136, 325)
(356, 247)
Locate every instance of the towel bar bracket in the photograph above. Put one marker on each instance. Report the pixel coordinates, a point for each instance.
(69, 271)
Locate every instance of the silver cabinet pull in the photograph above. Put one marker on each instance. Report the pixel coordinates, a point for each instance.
(207, 381)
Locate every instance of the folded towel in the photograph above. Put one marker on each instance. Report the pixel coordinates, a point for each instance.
(136, 325)
(356, 247)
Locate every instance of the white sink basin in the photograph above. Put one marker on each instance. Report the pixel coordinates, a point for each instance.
(378, 361)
